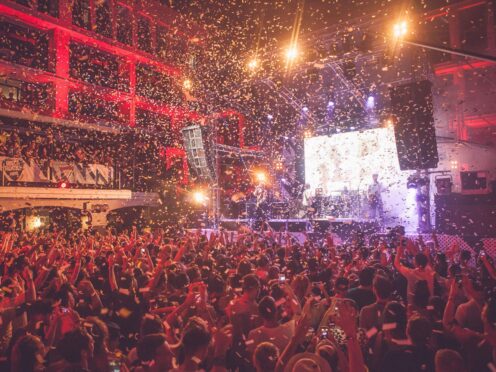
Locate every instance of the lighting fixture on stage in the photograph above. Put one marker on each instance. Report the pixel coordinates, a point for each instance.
(330, 104)
(388, 123)
(414, 181)
(37, 222)
(292, 53)
(304, 109)
(400, 29)
(270, 117)
(199, 197)
(252, 64)
(187, 84)
(411, 182)
(261, 177)
(370, 102)
(307, 134)
(444, 185)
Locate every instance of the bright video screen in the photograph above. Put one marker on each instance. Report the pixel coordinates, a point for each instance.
(348, 161)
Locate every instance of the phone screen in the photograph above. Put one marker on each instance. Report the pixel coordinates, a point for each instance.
(114, 366)
(324, 331)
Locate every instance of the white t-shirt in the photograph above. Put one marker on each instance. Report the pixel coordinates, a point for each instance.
(375, 189)
(307, 196)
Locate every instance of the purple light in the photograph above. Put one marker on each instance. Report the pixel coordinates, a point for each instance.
(330, 104)
(270, 117)
(305, 109)
(370, 102)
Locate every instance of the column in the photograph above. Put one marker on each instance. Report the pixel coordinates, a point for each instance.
(60, 57)
(131, 67)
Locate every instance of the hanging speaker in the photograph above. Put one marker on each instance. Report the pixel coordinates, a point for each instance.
(414, 128)
(199, 146)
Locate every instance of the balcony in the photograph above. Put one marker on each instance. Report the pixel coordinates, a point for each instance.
(95, 67)
(157, 86)
(37, 154)
(24, 46)
(90, 107)
(25, 96)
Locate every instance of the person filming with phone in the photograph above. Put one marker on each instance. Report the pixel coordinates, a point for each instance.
(422, 270)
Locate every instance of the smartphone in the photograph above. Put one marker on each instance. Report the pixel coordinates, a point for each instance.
(142, 250)
(282, 278)
(324, 331)
(114, 366)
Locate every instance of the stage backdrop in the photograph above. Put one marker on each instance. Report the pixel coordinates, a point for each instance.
(348, 160)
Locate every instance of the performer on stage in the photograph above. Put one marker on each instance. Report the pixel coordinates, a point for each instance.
(375, 199)
(261, 194)
(308, 201)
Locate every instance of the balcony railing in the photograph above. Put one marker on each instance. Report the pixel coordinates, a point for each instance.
(53, 173)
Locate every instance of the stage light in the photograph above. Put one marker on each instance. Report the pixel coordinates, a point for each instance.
(307, 134)
(199, 197)
(352, 128)
(330, 104)
(389, 123)
(270, 117)
(187, 84)
(304, 109)
(412, 182)
(292, 53)
(261, 177)
(63, 185)
(252, 64)
(400, 29)
(37, 222)
(370, 102)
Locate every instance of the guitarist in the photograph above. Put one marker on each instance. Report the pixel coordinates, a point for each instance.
(261, 195)
(375, 199)
(308, 201)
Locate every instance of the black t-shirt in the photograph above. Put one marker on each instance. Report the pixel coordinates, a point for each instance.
(361, 296)
(409, 359)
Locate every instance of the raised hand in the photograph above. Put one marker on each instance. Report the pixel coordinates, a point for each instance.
(347, 317)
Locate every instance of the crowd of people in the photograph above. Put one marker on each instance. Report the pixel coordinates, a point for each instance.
(135, 156)
(246, 301)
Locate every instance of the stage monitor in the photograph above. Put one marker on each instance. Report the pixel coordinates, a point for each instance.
(347, 161)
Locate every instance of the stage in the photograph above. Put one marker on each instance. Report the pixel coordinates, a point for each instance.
(344, 228)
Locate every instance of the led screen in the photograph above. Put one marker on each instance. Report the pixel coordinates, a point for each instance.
(348, 161)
